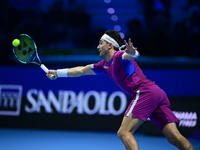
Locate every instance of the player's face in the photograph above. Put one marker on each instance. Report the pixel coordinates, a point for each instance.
(103, 48)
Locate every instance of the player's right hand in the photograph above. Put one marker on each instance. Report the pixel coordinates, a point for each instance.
(52, 74)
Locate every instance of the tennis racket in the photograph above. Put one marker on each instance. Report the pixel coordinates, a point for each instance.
(26, 52)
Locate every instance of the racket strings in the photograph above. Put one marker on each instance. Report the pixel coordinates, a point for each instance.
(26, 51)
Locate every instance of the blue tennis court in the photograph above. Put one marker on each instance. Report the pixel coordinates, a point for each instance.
(26, 139)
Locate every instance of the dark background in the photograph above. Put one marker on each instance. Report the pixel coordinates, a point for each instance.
(158, 28)
(166, 33)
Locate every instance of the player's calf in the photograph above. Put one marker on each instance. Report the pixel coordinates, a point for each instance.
(175, 138)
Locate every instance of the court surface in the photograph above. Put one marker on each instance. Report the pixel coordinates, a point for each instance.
(26, 139)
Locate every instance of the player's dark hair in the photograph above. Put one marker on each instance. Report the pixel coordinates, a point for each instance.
(115, 35)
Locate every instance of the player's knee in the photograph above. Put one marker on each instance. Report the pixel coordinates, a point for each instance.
(180, 141)
(174, 138)
(120, 133)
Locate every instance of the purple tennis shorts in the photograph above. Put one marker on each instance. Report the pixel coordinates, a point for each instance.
(152, 102)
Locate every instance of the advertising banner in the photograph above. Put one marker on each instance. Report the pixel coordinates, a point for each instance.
(28, 99)
(187, 111)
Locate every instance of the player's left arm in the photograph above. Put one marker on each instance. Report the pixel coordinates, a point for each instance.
(130, 51)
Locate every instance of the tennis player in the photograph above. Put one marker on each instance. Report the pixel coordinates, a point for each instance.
(149, 100)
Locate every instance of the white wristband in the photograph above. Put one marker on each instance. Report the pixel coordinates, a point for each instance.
(136, 54)
(62, 72)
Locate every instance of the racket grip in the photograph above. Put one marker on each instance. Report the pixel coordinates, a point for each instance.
(44, 68)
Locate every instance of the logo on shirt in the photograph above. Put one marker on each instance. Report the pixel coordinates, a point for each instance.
(105, 67)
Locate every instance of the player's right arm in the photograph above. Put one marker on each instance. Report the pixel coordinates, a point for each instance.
(80, 71)
(71, 72)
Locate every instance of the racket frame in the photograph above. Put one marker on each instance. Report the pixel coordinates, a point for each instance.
(36, 52)
(39, 63)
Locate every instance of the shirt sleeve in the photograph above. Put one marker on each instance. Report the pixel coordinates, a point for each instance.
(98, 67)
(126, 64)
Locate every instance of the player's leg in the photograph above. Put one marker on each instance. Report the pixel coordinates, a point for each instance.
(165, 120)
(126, 130)
(174, 137)
(138, 111)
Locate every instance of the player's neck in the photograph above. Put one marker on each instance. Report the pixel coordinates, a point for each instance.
(110, 55)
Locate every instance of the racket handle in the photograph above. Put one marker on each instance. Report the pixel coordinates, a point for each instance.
(45, 69)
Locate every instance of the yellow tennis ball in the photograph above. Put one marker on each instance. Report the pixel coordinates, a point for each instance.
(16, 42)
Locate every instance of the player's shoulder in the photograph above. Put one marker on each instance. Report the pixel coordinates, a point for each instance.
(118, 53)
(102, 62)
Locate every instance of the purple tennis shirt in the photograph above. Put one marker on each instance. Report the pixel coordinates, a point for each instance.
(126, 74)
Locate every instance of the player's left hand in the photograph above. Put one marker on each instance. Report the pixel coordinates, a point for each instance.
(130, 49)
